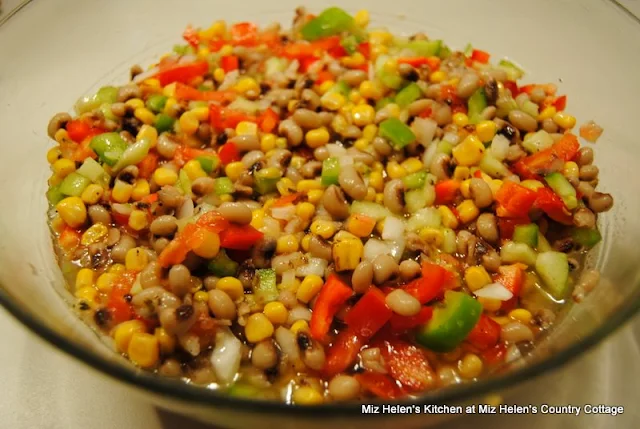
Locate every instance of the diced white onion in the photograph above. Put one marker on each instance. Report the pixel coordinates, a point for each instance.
(430, 153)
(452, 138)
(226, 356)
(397, 248)
(374, 247)
(424, 130)
(285, 212)
(314, 266)
(393, 228)
(299, 312)
(513, 353)
(336, 150)
(499, 147)
(345, 160)
(494, 291)
(288, 279)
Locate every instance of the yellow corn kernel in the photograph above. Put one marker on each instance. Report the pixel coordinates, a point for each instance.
(63, 167)
(305, 242)
(376, 181)
(347, 254)
(299, 326)
(323, 228)
(148, 133)
(460, 119)
(433, 236)
(325, 86)
(54, 180)
(226, 50)
(247, 128)
(495, 184)
(309, 288)
(201, 113)
(297, 161)
(361, 18)
(395, 170)
(276, 312)
(469, 151)
(363, 115)
(461, 173)
(380, 37)
(218, 75)
(258, 328)
(257, 218)
(393, 109)
(152, 83)
(84, 278)
(287, 244)
(521, 315)
(547, 113)
(117, 269)
(138, 220)
(136, 259)
(371, 194)
(355, 60)
(201, 296)
(92, 194)
(355, 97)
(307, 395)
(134, 103)
(361, 144)
(470, 366)
(464, 188)
(412, 165)
(209, 246)
(145, 115)
(94, 234)
(188, 123)
(170, 106)
(203, 53)
(144, 350)
(305, 211)
(267, 142)
(490, 304)
(564, 120)
(54, 154)
(194, 170)
(123, 333)
(501, 320)
(87, 294)
(315, 195)
(246, 84)
(370, 132)
(166, 341)
(437, 76)
(371, 90)
(449, 220)
(234, 170)
(359, 225)
(141, 189)
(285, 186)
(476, 277)
(308, 184)
(231, 286)
(72, 211)
(227, 198)
(104, 283)
(467, 211)
(318, 137)
(486, 130)
(332, 101)
(571, 170)
(121, 192)
(379, 198)
(165, 176)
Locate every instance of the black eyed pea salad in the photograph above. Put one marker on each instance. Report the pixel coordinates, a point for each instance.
(325, 212)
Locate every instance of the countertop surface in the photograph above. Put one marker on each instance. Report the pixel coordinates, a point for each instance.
(43, 388)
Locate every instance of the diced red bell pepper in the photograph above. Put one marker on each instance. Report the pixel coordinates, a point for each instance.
(426, 113)
(306, 62)
(181, 72)
(221, 118)
(175, 252)
(511, 86)
(430, 285)
(514, 200)
(553, 206)
(495, 355)
(69, 239)
(404, 323)
(268, 120)
(365, 49)
(432, 62)
(239, 237)
(544, 161)
(407, 364)
(213, 221)
(337, 51)
(244, 34)
(229, 153)
(480, 56)
(446, 191)
(118, 307)
(229, 63)
(148, 165)
(369, 314)
(528, 88)
(77, 130)
(287, 199)
(485, 334)
(506, 226)
(342, 352)
(186, 153)
(333, 295)
(380, 385)
(191, 36)
(324, 76)
(512, 277)
(304, 49)
(560, 103)
(186, 92)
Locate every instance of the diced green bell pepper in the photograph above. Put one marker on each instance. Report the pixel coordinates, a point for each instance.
(586, 237)
(54, 195)
(553, 269)
(264, 285)
(156, 102)
(408, 95)
(106, 111)
(223, 186)
(563, 188)
(330, 171)
(425, 48)
(415, 180)
(371, 209)
(74, 184)
(397, 132)
(331, 21)
(183, 49)
(163, 122)
(244, 390)
(208, 163)
(476, 104)
(265, 180)
(527, 234)
(350, 44)
(451, 323)
(222, 265)
(109, 147)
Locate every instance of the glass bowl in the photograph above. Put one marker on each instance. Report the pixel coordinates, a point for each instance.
(56, 51)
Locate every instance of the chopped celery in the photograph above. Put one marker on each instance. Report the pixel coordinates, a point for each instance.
(415, 180)
(425, 48)
(408, 95)
(105, 109)
(493, 167)
(107, 94)
(374, 210)
(54, 195)
(505, 105)
(185, 183)
(222, 265)
(156, 102)
(92, 170)
(423, 218)
(476, 104)
(416, 199)
(397, 132)
(586, 237)
(109, 147)
(266, 180)
(274, 65)
(223, 186)
(535, 142)
(74, 184)
(449, 241)
(513, 71)
(530, 108)
(445, 147)
(163, 122)
(331, 21)
(133, 154)
(512, 252)
(244, 390)
(543, 243)
(468, 49)
(553, 269)
(563, 188)
(208, 163)
(247, 106)
(183, 49)
(264, 285)
(527, 234)
(330, 171)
